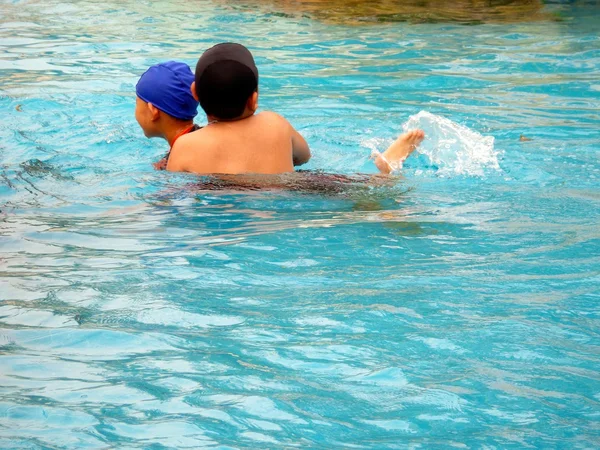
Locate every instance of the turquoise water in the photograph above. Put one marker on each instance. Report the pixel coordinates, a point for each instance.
(458, 308)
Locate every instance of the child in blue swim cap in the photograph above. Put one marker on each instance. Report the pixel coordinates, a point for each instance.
(165, 106)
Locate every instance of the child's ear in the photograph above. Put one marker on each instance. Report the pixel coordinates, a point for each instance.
(193, 89)
(154, 112)
(252, 103)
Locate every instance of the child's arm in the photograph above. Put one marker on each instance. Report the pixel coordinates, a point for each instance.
(300, 150)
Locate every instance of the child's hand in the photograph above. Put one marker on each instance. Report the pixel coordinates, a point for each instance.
(161, 165)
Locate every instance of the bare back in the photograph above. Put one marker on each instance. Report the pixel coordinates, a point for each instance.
(262, 143)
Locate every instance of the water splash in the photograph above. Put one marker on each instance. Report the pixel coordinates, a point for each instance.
(453, 148)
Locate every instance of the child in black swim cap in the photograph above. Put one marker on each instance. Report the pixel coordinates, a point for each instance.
(226, 77)
(236, 139)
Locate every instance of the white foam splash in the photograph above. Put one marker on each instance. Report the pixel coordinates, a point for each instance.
(453, 148)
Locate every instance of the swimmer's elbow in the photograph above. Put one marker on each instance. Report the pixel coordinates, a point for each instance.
(303, 157)
(300, 150)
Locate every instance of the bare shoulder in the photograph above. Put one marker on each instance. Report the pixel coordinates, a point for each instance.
(272, 118)
(192, 139)
(269, 115)
(275, 123)
(183, 154)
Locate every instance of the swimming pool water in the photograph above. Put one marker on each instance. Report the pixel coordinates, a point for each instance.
(457, 308)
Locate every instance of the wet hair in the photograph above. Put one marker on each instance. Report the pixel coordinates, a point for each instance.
(226, 76)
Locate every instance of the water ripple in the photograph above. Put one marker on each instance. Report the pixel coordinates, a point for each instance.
(437, 309)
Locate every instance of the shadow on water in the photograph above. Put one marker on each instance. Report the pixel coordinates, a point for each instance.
(356, 12)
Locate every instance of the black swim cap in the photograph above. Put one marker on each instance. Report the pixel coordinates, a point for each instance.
(226, 76)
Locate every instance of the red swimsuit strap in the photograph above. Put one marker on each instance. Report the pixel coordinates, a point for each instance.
(181, 133)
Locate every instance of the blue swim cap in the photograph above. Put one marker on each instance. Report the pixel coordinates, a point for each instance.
(167, 86)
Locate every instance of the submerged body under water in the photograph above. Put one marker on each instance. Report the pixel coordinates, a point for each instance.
(454, 305)
(300, 181)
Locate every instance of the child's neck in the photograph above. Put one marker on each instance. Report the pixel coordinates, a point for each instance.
(176, 130)
(212, 119)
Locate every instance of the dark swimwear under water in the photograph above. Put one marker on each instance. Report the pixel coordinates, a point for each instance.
(307, 181)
